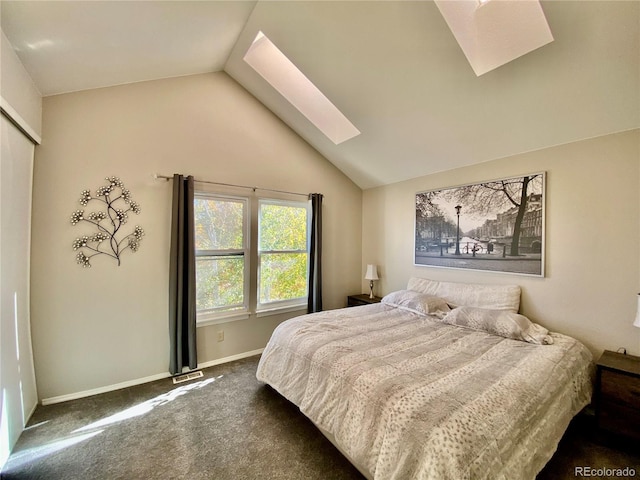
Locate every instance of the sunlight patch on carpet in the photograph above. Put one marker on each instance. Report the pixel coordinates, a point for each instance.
(31, 454)
(147, 406)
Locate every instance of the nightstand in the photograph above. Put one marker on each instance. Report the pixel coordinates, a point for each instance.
(362, 299)
(617, 394)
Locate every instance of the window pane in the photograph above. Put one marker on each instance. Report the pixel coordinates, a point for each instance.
(220, 282)
(283, 227)
(283, 276)
(219, 223)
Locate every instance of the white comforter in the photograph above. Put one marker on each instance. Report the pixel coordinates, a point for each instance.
(409, 397)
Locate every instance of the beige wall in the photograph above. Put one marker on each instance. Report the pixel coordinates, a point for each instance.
(106, 325)
(592, 237)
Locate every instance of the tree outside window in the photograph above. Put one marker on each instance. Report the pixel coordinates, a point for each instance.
(225, 264)
(221, 253)
(283, 251)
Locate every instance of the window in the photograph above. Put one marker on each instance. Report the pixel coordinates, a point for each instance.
(238, 273)
(280, 72)
(283, 252)
(222, 258)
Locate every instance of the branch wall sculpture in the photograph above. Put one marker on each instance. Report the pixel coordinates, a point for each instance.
(107, 239)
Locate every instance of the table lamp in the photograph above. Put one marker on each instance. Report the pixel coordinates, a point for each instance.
(371, 275)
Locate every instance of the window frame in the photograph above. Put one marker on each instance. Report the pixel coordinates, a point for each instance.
(251, 288)
(293, 303)
(224, 314)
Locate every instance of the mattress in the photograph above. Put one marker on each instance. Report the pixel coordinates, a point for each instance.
(407, 396)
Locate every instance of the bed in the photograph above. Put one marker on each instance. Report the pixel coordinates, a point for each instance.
(438, 381)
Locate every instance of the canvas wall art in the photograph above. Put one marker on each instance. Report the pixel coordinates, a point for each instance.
(497, 225)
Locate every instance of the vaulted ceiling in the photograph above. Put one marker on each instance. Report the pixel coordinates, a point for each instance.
(394, 68)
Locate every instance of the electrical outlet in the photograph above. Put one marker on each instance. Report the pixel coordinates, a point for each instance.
(220, 335)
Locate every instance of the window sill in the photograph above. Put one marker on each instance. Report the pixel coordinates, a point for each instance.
(205, 320)
(278, 310)
(215, 319)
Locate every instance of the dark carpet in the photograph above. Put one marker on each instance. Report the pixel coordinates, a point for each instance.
(224, 426)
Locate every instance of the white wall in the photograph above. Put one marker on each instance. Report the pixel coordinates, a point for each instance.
(592, 237)
(105, 325)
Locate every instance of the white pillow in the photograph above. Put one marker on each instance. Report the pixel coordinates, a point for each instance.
(417, 302)
(497, 297)
(499, 322)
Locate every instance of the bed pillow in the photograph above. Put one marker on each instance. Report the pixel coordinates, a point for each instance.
(417, 302)
(499, 322)
(497, 297)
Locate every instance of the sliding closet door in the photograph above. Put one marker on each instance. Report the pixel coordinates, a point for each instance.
(18, 394)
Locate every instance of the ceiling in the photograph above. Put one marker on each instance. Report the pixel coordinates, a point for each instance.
(392, 67)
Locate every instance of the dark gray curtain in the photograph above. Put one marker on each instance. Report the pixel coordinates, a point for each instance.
(315, 255)
(182, 278)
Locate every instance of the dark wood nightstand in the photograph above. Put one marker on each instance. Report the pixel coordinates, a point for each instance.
(362, 299)
(617, 395)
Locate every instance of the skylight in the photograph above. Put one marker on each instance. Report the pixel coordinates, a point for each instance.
(266, 59)
(493, 33)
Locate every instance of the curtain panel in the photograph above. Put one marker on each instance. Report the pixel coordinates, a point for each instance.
(182, 278)
(315, 255)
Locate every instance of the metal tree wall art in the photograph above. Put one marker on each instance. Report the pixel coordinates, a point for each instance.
(107, 239)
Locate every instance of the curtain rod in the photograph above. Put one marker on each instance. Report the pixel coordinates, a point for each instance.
(166, 177)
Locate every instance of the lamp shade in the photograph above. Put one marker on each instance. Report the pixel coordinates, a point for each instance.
(372, 272)
(637, 322)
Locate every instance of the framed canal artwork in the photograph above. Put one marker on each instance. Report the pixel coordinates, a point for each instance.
(497, 225)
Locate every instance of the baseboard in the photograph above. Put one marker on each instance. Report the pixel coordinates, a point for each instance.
(231, 358)
(105, 389)
(139, 381)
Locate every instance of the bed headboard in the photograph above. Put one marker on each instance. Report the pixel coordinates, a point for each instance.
(497, 297)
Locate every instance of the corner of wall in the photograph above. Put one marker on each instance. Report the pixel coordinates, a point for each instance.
(21, 100)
